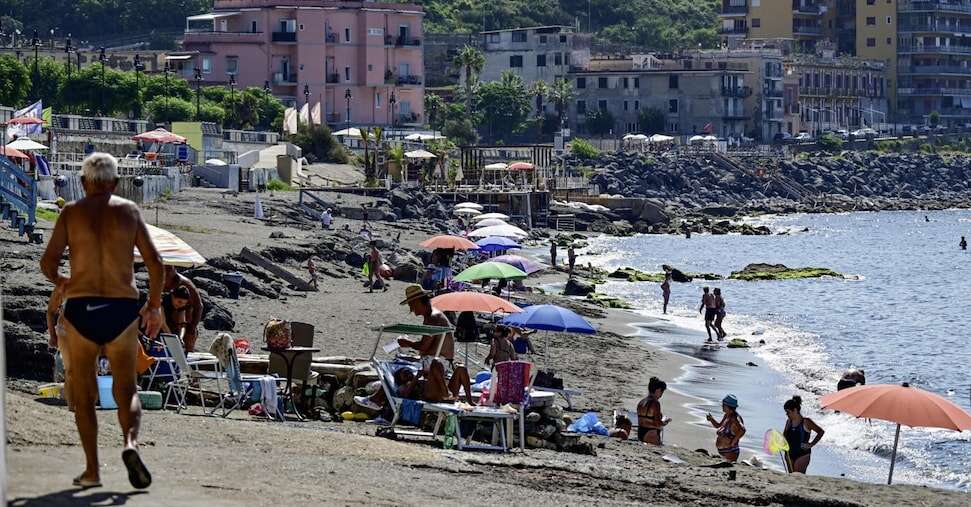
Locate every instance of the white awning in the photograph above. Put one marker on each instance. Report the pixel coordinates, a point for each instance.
(211, 16)
(178, 57)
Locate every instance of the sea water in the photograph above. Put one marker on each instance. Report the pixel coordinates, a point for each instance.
(904, 317)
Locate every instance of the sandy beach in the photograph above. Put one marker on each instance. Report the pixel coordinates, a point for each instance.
(199, 460)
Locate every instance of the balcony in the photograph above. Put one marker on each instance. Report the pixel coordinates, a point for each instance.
(935, 28)
(408, 118)
(333, 118)
(809, 30)
(733, 10)
(932, 6)
(736, 116)
(203, 36)
(809, 10)
(773, 93)
(936, 69)
(399, 41)
(731, 31)
(282, 79)
(955, 50)
(331, 38)
(738, 91)
(933, 92)
(402, 80)
(333, 78)
(284, 36)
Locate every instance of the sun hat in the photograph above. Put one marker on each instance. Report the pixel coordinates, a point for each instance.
(730, 401)
(413, 292)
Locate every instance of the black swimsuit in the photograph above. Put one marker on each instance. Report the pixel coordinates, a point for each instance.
(101, 320)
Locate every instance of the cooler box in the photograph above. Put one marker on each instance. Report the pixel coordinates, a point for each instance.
(106, 399)
(151, 400)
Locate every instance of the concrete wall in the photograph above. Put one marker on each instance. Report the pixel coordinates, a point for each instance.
(152, 188)
(219, 177)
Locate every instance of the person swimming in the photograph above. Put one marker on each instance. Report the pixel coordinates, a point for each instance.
(963, 244)
(731, 428)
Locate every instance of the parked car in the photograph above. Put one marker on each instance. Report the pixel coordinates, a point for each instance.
(864, 132)
(843, 134)
(804, 137)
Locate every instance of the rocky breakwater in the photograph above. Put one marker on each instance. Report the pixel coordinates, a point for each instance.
(754, 272)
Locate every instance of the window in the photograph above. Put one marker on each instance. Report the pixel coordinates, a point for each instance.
(541, 60)
(871, 42)
(871, 2)
(581, 82)
(516, 61)
(377, 100)
(347, 73)
(232, 65)
(252, 26)
(542, 39)
(889, 20)
(626, 84)
(492, 38)
(673, 82)
(581, 107)
(370, 67)
(602, 105)
(637, 105)
(673, 106)
(347, 35)
(206, 65)
(563, 38)
(558, 59)
(637, 83)
(871, 20)
(519, 36)
(889, 41)
(626, 106)
(756, 22)
(601, 82)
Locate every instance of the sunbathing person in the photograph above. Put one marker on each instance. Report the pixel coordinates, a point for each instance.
(193, 311)
(419, 301)
(425, 385)
(622, 426)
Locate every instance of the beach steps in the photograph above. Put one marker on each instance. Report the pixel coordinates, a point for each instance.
(792, 188)
(18, 200)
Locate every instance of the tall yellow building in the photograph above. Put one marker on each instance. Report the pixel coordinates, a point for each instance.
(803, 21)
(876, 38)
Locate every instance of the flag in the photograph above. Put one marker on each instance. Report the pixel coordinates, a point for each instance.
(43, 167)
(46, 116)
(290, 121)
(305, 114)
(315, 114)
(709, 128)
(34, 110)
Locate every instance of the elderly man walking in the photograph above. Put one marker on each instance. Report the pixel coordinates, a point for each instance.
(102, 312)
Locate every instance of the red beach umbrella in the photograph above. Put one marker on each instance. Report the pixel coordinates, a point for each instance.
(12, 152)
(453, 242)
(159, 135)
(520, 166)
(473, 302)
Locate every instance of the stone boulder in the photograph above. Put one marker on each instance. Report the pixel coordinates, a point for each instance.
(575, 287)
(780, 272)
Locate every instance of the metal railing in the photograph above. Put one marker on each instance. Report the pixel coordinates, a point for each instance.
(918, 6)
(920, 92)
(936, 69)
(733, 30)
(962, 50)
(736, 91)
(284, 36)
(807, 30)
(728, 9)
(281, 79)
(333, 78)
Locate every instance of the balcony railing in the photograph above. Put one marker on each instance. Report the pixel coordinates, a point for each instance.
(284, 79)
(936, 69)
(773, 93)
(809, 10)
(399, 41)
(331, 38)
(807, 30)
(931, 6)
(284, 36)
(333, 118)
(728, 10)
(933, 92)
(934, 28)
(197, 35)
(737, 91)
(735, 116)
(408, 118)
(404, 80)
(333, 78)
(961, 50)
(733, 30)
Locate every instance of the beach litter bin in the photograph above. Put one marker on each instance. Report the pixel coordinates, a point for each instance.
(233, 282)
(106, 399)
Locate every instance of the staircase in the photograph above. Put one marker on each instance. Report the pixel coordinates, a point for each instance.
(564, 223)
(18, 200)
(790, 186)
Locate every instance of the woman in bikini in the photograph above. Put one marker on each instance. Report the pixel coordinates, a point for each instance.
(731, 427)
(797, 433)
(650, 421)
(666, 289)
(719, 314)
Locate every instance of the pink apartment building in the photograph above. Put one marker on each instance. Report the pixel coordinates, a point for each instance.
(370, 51)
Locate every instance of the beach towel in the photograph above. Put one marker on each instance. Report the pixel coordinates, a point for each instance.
(411, 412)
(220, 348)
(513, 377)
(450, 432)
(268, 396)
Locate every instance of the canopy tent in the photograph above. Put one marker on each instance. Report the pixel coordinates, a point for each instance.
(487, 216)
(519, 262)
(420, 154)
(496, 244)
(26, 144)
(498, 166)
(453, 242)
(660, 138)
(466, 211)
(212, 16)
(489, 222)
(159, 135)
(520, 166)
(506, 231)
(423, 137)
(172, 249)
(469, 205)
(904, 405)
(348, 132)
(490, 271)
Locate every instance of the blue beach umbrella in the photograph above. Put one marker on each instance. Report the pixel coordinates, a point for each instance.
(496, 244)
(549, 318)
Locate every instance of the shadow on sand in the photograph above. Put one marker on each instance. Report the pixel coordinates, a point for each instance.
(77, 497)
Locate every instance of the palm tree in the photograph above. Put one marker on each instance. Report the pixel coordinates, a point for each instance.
(560, 93)
(366, 141)
(472, 61)
(540, 90)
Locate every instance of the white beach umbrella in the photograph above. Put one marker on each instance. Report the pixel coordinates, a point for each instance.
(420, 154)
(498, 166)
(505, 231)
(487, 216)
(423, 137)
(215, 162)
(466, 211)
(349, 132)
(635, 137)
(696, 139)
(489, 222)
(660, 138)
(469, 205)
(26, 144)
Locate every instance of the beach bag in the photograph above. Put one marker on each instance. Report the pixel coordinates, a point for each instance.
(277, 334)
(548, 380)
(242, 346)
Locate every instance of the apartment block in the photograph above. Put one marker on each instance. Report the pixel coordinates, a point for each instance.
(733, 93)
(806, 22)
(352, 57)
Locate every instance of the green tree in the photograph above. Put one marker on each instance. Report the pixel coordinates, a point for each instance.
(561, 92)
(471, 61)
(48, 82)
(435, 111)
(167, 110)
(652, 121)
(505, 105)
(461, 131)
(87, 90)
(211, 112)
(600, 122)
(830, 142)
(269, 109)
(155, 85)
(540, 90)
(14, 81)
(934, 118)
(318, 144)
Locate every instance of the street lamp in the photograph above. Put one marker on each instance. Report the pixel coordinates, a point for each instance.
(36, 76)
(197, 74)
(306, 102)
(165, 71)
(67, 50)
(232, 93)
(103, 59)
(347, 97)
(392, 100)
(139, 67)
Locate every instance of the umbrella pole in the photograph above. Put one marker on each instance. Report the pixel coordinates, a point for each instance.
(893, 457)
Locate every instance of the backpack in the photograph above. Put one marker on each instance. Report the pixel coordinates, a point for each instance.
(277, 334)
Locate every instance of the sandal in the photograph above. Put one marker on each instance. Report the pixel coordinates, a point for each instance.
(81, 482)
(138, 475)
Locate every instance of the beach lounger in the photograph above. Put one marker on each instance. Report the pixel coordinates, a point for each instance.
(566, 394)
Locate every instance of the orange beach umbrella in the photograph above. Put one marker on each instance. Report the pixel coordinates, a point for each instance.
(904, 405)
(25, 120)
(473, 302)
(159, 135)
(12, 152)
(454, 242)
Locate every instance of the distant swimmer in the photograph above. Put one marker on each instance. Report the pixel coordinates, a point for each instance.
(963, 244)
(851, 378)
(666, 288)
(710, 308)
(926, 219)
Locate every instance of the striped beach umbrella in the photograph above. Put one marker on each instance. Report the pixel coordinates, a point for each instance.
(172, 249)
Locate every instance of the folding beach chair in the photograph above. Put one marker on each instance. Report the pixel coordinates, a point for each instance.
(188, 374)
(238, 385)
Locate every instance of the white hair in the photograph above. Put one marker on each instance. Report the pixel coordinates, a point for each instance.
(100, 168)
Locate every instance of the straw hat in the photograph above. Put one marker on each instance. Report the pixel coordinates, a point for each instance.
(413, 292)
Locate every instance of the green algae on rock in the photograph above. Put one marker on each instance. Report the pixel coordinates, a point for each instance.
(760, 271)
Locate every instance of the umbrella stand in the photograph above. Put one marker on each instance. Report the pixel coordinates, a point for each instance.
(893, 457)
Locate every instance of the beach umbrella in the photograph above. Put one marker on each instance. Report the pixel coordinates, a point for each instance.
(25, 120)
(486, 216)
(26, 144)
(12, 152)
(469, 205)
(498, 166)
(172, 249)
(660, 138)
(473, 302)
(466, 211)
(422, 154)
(519, 262)
(520, 166)
(489, 222)
(490, 271)
(496, 243)
(159, 135)
(549, 318)
(635, 137)
(215, 162)
(507, 231)
(423, 137)
(450, 242)
(903, 405)
(349, 132)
